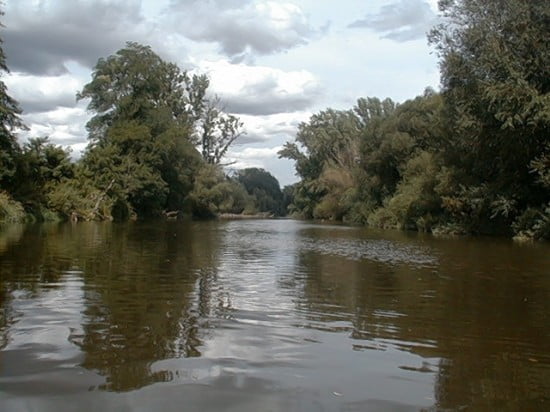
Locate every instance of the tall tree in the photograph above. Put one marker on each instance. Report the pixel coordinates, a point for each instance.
(10, 121)
(136, 84)
(216, 132)
(141, 134)
(495, 71)
(326, 151)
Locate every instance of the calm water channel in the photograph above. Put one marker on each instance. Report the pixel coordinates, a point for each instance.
(269, 315)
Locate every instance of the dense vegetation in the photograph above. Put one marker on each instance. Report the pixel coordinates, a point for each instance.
(474, 158)
(156, 143)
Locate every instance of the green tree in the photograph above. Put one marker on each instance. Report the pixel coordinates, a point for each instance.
(126, 165)
(10, 121)
(148, 116)
(136, 84)
(41, 167)
(495, 71)
(141, 136)
(215, 193)
(326, 151)
(391, 136)
(264, 188)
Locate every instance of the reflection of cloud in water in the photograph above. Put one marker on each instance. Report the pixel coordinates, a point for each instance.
(384, 251)
(273, 242)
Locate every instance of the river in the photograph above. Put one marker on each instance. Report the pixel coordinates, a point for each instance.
(269, 315)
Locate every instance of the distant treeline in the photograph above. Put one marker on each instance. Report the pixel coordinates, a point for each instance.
(156, 145)
(474, 158)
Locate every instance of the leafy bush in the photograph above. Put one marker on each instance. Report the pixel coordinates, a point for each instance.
(533, 223)
(415, 202)
(10, 210)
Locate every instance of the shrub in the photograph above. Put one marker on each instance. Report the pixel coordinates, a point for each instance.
(533, 223)
(10, 210)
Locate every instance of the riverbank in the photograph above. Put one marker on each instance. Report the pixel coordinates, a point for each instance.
(231, 216)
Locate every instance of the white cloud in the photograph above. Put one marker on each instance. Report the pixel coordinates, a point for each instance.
(64, 126)
(261, 90)
(43, 37)
(243, 29)
(433, 4)
(252, 157)
(402, 20)
(43, 93)
(271, 128)
(357, 63)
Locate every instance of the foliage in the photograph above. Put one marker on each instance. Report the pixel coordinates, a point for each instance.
(533, 223)
(495, 68)
(288, 197)
(136, 84)
(41, 166)
(148, 116)
(216, 132)
(126, 157)
(264, 189)
(215, 193)
(10, 210)
(471, 159)
(9, 122)
(76, 199)
(416, 201)
(326, 153)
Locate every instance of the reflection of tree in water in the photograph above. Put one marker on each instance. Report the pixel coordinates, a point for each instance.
(493, 333)
(486, 327)
(35, 255)
(7, 315)
(32, 259)
(147, 291)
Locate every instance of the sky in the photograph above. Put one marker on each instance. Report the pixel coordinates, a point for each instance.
(272, 63)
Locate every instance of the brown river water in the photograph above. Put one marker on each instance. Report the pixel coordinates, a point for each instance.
(269, 315)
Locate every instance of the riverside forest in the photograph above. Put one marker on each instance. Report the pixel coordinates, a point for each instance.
(407, 269)
(473, 158)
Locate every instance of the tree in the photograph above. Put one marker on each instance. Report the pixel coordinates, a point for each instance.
(10, 121)
(216, 132)
(126, 163)
(40, 167)
(326, 152)
(148, 116)
(136, 84)
(215, 193)
(142, 133)
(264, 188)
(495, 71)
(329, 152)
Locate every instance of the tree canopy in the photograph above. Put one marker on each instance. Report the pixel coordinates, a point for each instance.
(10, 120)
(154, 135)
(148, 116)
(264, 189)
(471, 159)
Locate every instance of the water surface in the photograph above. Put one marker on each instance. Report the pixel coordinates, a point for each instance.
(271, 315)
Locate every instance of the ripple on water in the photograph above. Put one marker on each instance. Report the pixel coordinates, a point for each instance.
(383, 251)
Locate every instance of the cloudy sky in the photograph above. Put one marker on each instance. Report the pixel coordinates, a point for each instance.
(273, 63)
